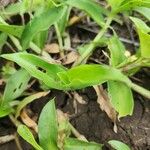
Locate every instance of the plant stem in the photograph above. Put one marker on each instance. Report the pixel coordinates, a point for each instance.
(60, 41)
(91, 46)
(140, 90)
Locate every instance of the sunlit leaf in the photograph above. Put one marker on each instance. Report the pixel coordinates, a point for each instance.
(75, 144)
(117, 145)
(144, 44)
(88, 75)
(121, 98)
(48, 127)
(140, 24)
(27, 135)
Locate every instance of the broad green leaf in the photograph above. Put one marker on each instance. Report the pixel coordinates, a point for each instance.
(28, 100)
(40, 23)
(140, 24)
(117, 145)
(144, 11)
(48, 127)
(38, 68)
(15, 85)
(27, 135)
(75, 144)
(88, 75)
(3, 39)
(93, 9)
(121, 98)
(12, 29)
(117, 51)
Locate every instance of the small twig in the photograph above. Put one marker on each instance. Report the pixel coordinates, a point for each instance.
(18, 142)
(6, 138)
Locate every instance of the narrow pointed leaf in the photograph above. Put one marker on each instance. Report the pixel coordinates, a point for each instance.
(144, 11)
(26, 134)
(75, 144)
(28, 100)
(12, 29)
(117, 51)
(93, 9)
(38, 68)
(117, 145)
(40, 23)
(143, 31)
(48, 127)
(15, 85)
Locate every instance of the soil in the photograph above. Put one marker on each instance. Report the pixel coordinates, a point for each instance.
(89, 120)
(92, 122)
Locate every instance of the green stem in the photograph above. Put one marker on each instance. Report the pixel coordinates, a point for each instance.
(140, 90)
(60, 41)
(91, 47)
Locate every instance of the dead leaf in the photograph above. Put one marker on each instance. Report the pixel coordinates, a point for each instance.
(79, 98)
(105, 104)
(71, 57)
(28, 121)
(52, 48)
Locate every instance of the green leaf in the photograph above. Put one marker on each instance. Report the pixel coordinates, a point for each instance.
(3, 39)
(114, 3)
(121, 98)
(40, 39)
(93, 9)
(127, 5)
(26, 134)
(48, 127)
(28, 100)
(16, 84)
(63, 22)
(144, 44)
(140, 24)
(117, 51)
(75, 144)
(40, 23)
(88, 75)
(12, 29)
(117, 145)
(144, 37)
(5, 110)
(38, 68)
(144, 11)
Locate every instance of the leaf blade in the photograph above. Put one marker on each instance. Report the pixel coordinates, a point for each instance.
(47, 126)
(26, 134)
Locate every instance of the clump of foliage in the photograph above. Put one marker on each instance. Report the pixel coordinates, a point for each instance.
(40, 65)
